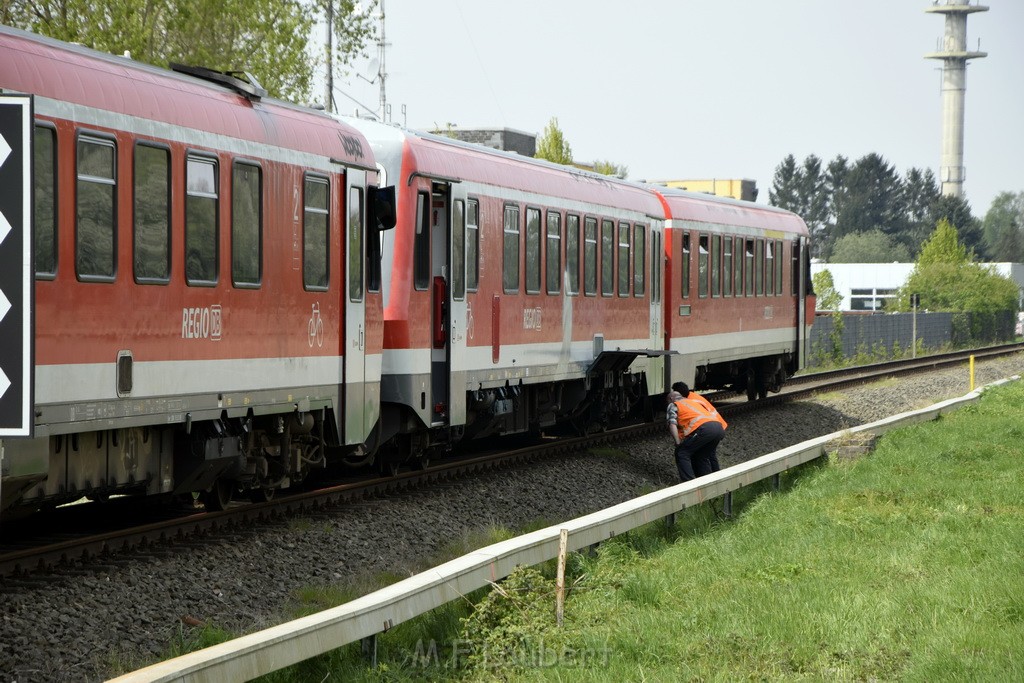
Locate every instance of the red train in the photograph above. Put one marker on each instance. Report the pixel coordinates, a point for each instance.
(222, 305)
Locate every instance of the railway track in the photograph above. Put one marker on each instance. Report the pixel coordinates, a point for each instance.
(38, 546)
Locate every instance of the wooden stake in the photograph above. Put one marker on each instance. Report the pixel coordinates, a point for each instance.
(563, 544)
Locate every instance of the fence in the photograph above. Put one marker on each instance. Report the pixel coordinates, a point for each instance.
(884, 332)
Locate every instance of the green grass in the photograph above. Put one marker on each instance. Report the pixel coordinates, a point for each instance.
(905, 565)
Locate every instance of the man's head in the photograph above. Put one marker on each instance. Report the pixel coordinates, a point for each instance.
(683, 389)
(674, 396)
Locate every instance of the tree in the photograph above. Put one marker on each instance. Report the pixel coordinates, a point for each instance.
(267, 38)
(783, 192)
(828, 298)
(835, 178)
(920, 191)
(871, 198)
(1001, 229)
(813, 196)
(873, 246)
(947, 278)
(802, 191)
(551, 144)
(957, 212)
(609, 168)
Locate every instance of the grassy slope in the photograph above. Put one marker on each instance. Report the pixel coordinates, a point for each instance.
(908, 564)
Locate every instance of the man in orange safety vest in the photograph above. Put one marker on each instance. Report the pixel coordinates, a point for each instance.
(696, 428)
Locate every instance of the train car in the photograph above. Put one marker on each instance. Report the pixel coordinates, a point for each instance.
(738, 297)
(208, 313)
(518, 295)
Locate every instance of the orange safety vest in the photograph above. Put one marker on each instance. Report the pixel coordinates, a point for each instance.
(695, 410)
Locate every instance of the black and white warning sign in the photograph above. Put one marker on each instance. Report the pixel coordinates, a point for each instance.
(16, 277)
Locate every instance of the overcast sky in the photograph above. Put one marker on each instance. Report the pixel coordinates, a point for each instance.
(709, 88)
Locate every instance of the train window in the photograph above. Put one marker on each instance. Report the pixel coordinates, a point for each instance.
(769, 267)
(472, 245)
(246, 225)
(639, 254)
(510, 251)
(95, 237)
(376, 218)
(686, 266)
(607, 258)
(533, 251)
(152, 210)
(421, 243)
(623, 259)
(315, 233)
(572, 254)
(759, 268)
(553, 262)
(201, 221)
(44, 214)
(716, 265)
(590, 256)
(459, 249)
(778, 267)
(749, 266)
(655, 267)
(702, 266)
(355, 243)
(727, 266)
(737, 264)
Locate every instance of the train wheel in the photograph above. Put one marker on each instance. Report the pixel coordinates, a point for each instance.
(218, 497)
(262, 495)
(389, 468)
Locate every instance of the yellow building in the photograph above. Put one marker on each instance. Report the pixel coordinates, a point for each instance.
(737, 189)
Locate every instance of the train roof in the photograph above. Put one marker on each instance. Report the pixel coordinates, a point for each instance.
(64, 73)
(438, 156)
(681, 205)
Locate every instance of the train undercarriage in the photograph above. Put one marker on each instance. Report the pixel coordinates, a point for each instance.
(753, 376)
(220, 459)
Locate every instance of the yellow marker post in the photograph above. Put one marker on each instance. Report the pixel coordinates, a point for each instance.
(972, 373)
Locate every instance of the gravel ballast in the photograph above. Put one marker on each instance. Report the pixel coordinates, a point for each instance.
(77, 625)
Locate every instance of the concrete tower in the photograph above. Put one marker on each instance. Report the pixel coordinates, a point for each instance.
(954, 56)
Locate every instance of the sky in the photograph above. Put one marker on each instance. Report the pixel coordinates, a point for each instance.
(700, 89)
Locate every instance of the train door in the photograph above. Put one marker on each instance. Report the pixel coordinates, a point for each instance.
(653, 265)
(360, 404)
(800, 289)
(440, 299)
(458, 311)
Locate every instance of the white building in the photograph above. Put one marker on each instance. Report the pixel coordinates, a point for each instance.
(867, 286)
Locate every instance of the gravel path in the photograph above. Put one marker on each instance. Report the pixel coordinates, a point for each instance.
(76, 625)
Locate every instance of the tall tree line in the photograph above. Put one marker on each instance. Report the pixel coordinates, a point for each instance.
(865, 209)
(267, 38)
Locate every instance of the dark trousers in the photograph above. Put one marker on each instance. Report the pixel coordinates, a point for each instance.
(697, 455)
